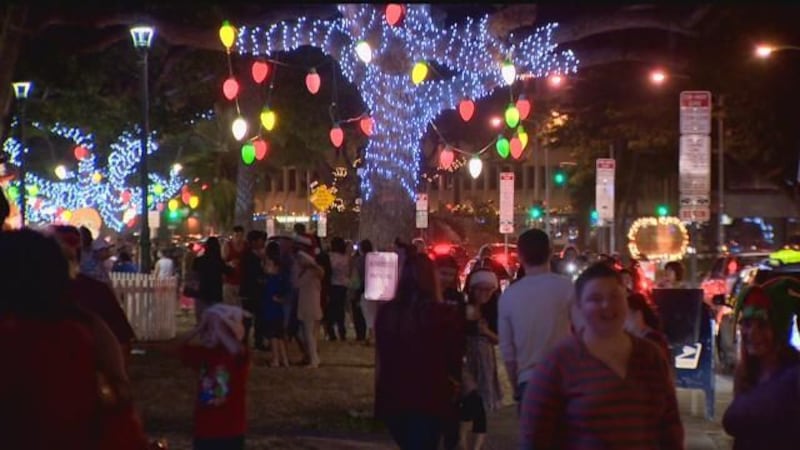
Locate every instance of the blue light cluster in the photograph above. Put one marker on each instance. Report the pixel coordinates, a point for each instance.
(400, 109)
(98, 188)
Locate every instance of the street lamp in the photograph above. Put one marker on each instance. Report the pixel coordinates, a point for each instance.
(142, 37)
(555, 80)
(658, 76)
(21, 91)
(764, 51)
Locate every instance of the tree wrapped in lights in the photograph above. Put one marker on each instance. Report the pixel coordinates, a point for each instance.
(402, 109)
(105, 189)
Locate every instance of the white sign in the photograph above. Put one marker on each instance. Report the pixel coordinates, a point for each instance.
(153, 219)
(695, 208)
(604, 188)
(694, 164)
(422, 210)
(689, 357)
(381, 276)
(270, 226)
(322, 225)
(695, 112)
(506, 202)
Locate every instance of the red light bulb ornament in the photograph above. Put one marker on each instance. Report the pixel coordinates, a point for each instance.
(524, 107)
(466, 109)
(312, 81)
(395, 13)
(81, 152)
(261, 147)
(230, 88)
(516, 147)
(337, 136)
(367, 124)
(259, 70)
(446, 157)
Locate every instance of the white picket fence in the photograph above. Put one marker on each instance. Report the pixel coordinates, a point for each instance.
(150, 303)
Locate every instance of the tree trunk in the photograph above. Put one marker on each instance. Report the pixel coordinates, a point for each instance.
(245, 183)
(387, 215)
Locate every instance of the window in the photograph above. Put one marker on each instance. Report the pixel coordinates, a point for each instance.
(281, 185)
(480, 182)
(434, 184)
(448, 182)
(302, 183)
(467, 181)
(292, 180)
(518, 178)
(267, 183)
(530, 177)
(494, 176)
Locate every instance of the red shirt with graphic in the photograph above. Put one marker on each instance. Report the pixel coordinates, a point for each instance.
(220, 409)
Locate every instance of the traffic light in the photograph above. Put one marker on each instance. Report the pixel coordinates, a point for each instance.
(536, 212)
(174, 216)
(560, 178)
(662, 210)
(594, 217)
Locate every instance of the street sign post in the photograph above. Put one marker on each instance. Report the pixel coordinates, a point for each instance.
(322, 225)
(694, 166)
(506, 202)
(604, 188)
(422, 211)
(695, 112)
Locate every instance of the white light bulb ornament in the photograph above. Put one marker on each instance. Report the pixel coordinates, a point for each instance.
(475, 166)
(239, 128)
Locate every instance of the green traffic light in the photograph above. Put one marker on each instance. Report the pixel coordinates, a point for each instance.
(662, 210)
(595, 216)
(560, 178)
(536, 212)
(174, 216)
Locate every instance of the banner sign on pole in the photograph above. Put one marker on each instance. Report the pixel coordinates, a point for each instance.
(381, 276)
(422, 210)
(270, 226)
(694, 167)
(604, 188)
(322, 225)
(506, 202)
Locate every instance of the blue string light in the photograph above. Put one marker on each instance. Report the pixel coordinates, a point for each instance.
(401, 110)
(104, 189)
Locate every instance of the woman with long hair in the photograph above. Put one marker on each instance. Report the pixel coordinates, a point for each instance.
(643, 321)
(765, 412)
(419, 347)
(209, 269)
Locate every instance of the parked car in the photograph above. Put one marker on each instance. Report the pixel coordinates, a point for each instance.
(779, 264)
(504, 264)
(725, 270)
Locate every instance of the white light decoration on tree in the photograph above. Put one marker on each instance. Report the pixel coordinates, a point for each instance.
(400, 109)
(475, 166)
(109, 190)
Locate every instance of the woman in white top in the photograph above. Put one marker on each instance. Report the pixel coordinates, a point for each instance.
(165, 267)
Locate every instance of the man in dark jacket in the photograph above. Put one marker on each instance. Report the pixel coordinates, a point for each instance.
(252, 284)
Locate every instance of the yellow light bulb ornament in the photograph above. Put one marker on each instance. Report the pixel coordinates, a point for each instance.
(227, 34)
(239, 128)
(509, 72)
(173, 205)
(523, 136)
(268, 119)
(419, 72)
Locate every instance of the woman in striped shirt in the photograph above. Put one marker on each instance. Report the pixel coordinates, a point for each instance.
(602, 389)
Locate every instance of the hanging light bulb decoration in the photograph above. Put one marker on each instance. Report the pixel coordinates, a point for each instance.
(475, 166)
(524, 107)
(194, 202)
(509, 72)
(512, 116)
(466, 109)
(230, 88)
(268, 118)
(395, 13)
(446, 157)
(261, 146)
(248, 154)
(227, 34)
(364, 51)
(173, 205)
(502, 146)
(259, 70)
(419, 72)
(239, 128)
(337, 136)
(366, 124)
(61, 172)
(81, 152)
(313, 81)
(516, 147)
(186, 195)
(523, 136)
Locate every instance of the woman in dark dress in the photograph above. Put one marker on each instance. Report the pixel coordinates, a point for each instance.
(209, 269)
(276, 290)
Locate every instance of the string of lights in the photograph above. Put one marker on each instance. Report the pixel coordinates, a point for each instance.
(105, 189)
(376, 55)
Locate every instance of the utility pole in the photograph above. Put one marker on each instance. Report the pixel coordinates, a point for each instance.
(721, 177)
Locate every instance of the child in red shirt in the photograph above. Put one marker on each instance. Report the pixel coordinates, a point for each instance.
(215, 349)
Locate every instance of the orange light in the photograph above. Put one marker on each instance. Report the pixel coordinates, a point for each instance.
(658, 76)
(764, 51)
(442, 249)
(555, 80)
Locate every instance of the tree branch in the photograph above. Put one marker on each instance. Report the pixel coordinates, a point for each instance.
(593, 25)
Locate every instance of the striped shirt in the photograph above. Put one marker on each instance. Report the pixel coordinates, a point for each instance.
(575, 401)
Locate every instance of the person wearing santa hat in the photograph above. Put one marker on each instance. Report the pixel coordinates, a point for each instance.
(765, 412)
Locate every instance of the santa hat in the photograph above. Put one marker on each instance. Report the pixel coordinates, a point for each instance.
(483, 277)
(775, 301)
(221, 326)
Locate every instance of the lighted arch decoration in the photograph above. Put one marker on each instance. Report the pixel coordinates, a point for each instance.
(402, 110)
(662, 238)
(104, 189)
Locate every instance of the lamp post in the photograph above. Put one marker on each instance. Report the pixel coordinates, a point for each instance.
(764, 51)
(142, 37)
(21, 91)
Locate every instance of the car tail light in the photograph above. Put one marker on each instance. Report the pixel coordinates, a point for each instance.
(442, 249)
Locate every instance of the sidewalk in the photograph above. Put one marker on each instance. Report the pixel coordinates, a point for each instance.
(701, 434)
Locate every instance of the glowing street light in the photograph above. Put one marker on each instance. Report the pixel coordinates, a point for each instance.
(763, 51)
(555, 80)
(658, 76)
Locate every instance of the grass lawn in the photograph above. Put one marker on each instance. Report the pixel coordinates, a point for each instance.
(291, 408)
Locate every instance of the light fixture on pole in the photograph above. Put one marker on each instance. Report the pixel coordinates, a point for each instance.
(142, 37)
(658, 76)
(764, 51)
(21, 91)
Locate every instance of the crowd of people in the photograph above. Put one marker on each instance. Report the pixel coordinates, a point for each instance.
(588, 362)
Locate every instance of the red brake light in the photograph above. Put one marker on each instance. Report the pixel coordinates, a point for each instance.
(442, 249)
(501, 258)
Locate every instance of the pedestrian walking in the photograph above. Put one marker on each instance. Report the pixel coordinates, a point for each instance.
(340, 280)
(603, 388)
